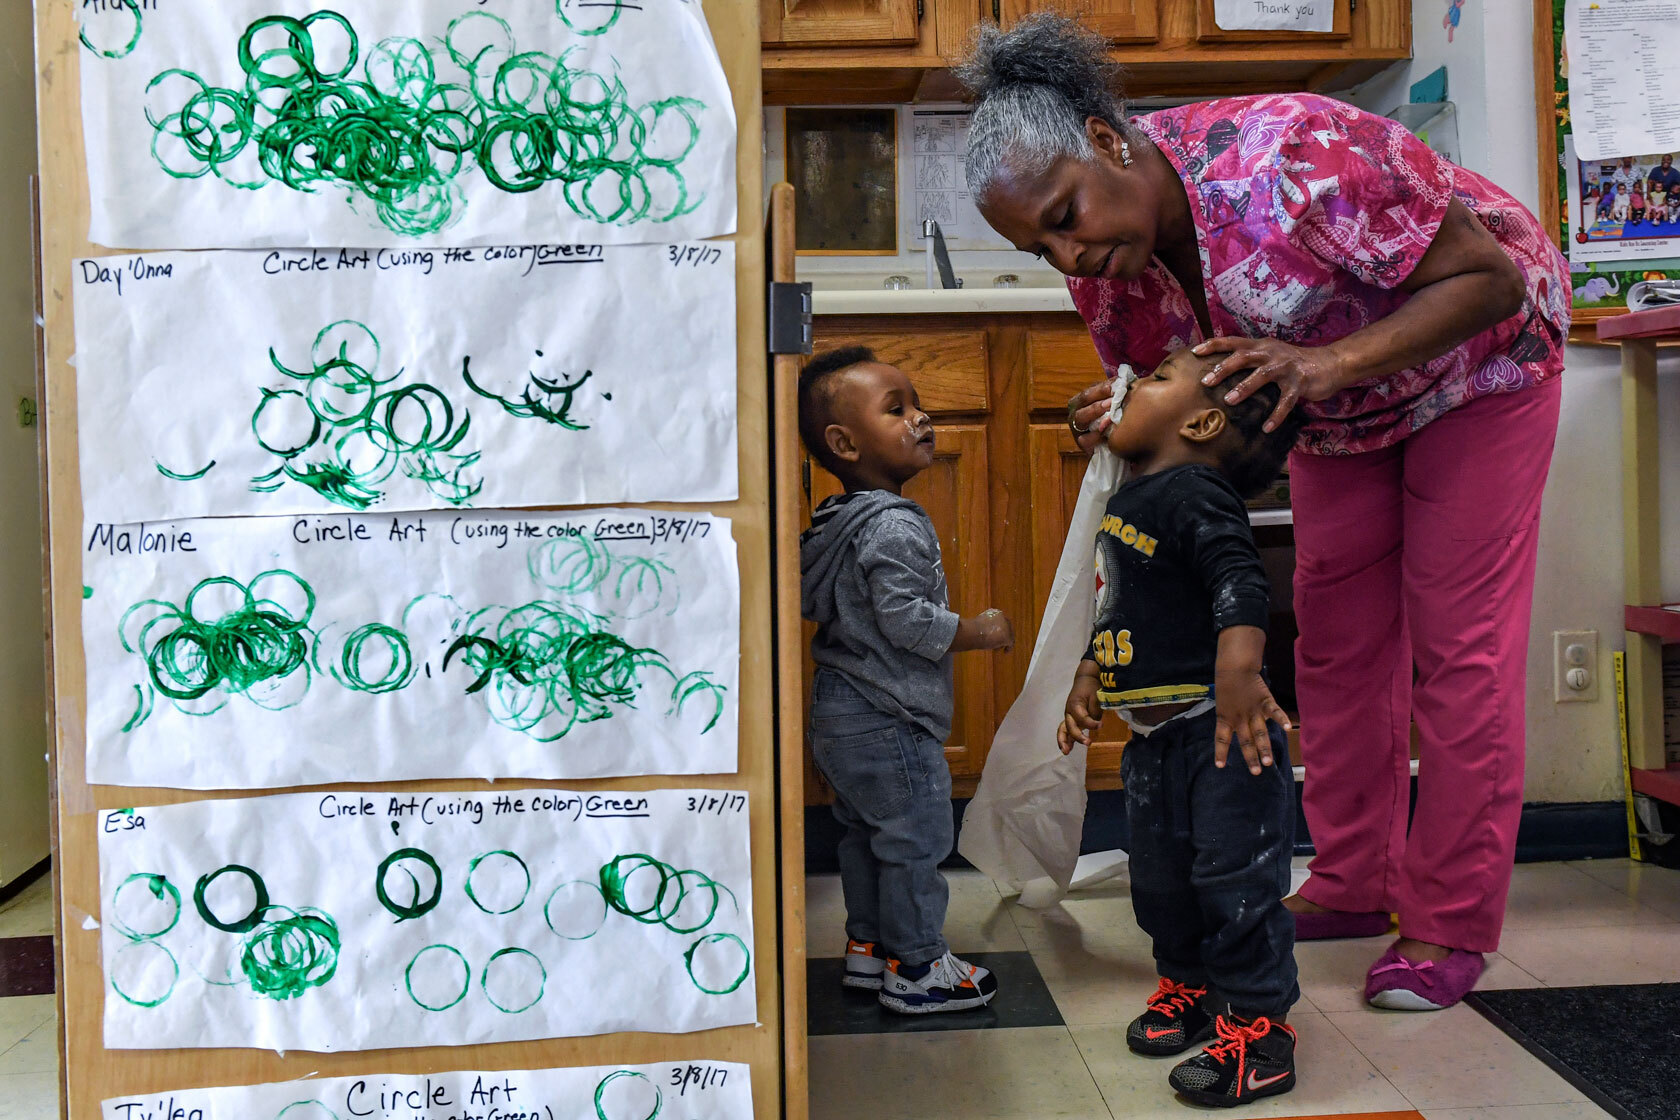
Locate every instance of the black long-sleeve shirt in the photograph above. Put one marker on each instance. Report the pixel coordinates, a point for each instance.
(1176, 564)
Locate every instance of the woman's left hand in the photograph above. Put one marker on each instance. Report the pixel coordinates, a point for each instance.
(1301, 372)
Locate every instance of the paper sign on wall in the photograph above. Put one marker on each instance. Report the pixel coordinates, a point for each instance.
(311, 380)
(240, 653)
(238, 123)
(365, 920)
(687, 1090)
(1275, 15)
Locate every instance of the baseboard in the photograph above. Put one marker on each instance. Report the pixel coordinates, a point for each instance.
(1549, 831)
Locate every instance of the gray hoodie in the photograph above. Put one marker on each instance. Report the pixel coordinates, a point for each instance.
(870, 578)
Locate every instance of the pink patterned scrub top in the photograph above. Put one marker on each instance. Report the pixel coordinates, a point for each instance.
(1309, 214)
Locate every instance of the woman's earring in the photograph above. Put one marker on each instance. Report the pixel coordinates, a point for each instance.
(1125, 154)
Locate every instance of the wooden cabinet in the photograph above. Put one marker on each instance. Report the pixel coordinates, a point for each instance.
(852, 23)
(875, 51)
(1209, 31)
(1123, 21)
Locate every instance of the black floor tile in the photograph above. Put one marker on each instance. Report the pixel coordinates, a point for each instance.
(26, 966)
(1023, 1000)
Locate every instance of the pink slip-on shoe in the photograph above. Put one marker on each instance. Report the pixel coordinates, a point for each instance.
(1398, 984)
(1333, 924)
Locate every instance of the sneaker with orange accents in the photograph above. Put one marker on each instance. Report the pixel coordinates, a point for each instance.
(1250, 1060)
(865, 962)
(947, 984)
(1174, 1022)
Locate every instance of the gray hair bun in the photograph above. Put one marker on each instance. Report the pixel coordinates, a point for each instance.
(1036, 85)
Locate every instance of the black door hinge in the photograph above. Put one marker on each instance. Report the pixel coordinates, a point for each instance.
(790, 317)
(997, 11)
(921, 10)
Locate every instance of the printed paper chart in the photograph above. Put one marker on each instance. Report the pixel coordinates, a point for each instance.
(689, 1090)
(239, 123)
(215, 384)
(365, 920)
(247, 653)
(686, 1090)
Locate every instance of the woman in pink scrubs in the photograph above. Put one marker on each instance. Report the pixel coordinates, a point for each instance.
(1417, 313)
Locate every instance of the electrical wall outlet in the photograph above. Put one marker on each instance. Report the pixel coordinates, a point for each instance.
(1575, 665)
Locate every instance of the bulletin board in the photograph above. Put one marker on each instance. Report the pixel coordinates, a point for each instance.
(92, 1073)
(1600, 288)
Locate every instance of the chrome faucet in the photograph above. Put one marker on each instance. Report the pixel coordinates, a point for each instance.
(938, 260)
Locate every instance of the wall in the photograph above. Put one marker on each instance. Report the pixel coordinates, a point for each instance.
(1573, 749)
(23, 729)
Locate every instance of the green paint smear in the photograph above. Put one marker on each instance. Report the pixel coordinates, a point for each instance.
(543, 399)
(179, 476)
(359, 433)
(668, 898)
(287, 956)
(400, 130)
(256, 644)
(87, 592)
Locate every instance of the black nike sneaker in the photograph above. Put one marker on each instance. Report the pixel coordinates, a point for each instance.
(1174, 1022)
(1250, 1060)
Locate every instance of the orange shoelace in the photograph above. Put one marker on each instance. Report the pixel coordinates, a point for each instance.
(1171, 998)
(1237, 1035)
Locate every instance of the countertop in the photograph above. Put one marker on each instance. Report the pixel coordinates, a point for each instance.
(921, 301)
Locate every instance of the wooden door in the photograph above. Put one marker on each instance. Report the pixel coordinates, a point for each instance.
(1123, 21)
(953, 491)
(839, 23)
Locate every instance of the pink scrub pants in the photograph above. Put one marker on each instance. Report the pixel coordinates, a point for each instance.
(1414, 579)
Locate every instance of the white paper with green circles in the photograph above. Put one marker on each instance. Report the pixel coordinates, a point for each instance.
(270, 652)
(347, 380)
(241, 123)
(677, 1090)
(367, 920)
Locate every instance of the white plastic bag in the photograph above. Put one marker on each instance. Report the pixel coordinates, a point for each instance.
(1024, 823)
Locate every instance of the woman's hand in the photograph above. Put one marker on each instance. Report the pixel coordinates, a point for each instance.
(1302, 373)
(1088, 415)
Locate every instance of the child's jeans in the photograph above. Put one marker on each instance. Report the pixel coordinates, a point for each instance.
(892, 793)
(1210, 864)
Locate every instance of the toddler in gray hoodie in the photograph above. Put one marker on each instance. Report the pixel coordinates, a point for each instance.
(881, 698)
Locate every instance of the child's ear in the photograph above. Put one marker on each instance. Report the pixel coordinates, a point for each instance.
(840, 443)
(1208, 424)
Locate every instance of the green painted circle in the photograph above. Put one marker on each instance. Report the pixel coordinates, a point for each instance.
(466, 977)
(137, 998)
(161, 889)
(252, 918)
(594, 923)
(601, 1092)
(472, 869)
(420, 906)
(513, 954)
(719, 939)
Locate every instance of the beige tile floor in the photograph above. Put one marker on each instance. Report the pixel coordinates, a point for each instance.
(1606, 922)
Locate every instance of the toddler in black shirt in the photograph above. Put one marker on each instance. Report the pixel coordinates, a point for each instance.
(1176, 650)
